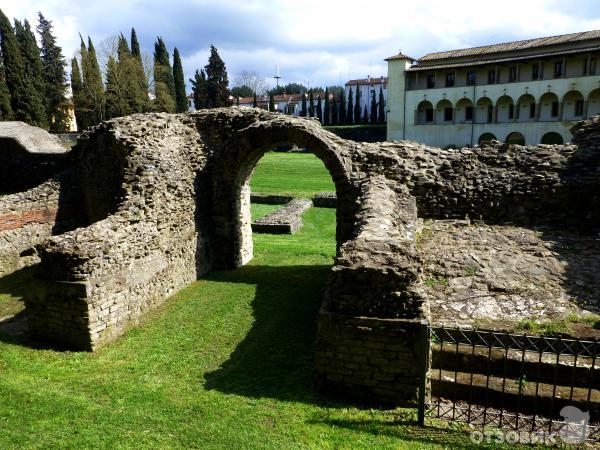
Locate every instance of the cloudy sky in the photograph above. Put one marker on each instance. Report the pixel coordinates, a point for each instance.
(312, 40)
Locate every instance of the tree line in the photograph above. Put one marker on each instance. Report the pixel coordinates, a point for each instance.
(33, 81)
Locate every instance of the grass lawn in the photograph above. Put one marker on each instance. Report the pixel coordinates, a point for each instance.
(299, 174)
(225, 363)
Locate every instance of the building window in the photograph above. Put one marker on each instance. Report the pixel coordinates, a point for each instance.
(450, 79)
(579, 108)
(531, 110)
(512, 74)
(492, 77)
(558, 69)
(471, 78)
(511, 111)
(592, 66)
(490, 114)
(429, 115)
(430, 81)
(447, 114)
(554, 111)
(469, 114)
(535, 71)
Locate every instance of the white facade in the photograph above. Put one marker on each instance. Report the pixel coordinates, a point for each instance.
(367, 87)
(512, 98)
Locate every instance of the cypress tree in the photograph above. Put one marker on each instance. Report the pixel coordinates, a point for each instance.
(334, 110)
(326, 110)
(350, 110)
(216, 80)
(116, 104)
(142, 100)
(237, 101)
(357, 110)
(5, 109)
(199, 90)
(311, 104)
(373, 109)
(319, 109)
(164, 85)
(81, 115)
(55, 78)
(365, 118)
(381, 115)
(180, 97)
(342, 112)
(254, 101)
(92, 83)
(303, 111)
(271, 102)
(18, 85)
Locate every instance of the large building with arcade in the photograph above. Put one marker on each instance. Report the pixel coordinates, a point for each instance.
(525, 92)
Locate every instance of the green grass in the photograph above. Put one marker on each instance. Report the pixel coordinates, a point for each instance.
(225, 363)
(259, 210)
(299, 174)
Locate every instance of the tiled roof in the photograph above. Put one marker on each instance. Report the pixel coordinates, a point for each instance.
(511, 46)
(400, 55)
(369, 81)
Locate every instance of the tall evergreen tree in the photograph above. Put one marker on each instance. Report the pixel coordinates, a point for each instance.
(381, 115)
(271, 102)
(5, 109)
(237, 101)
(319, 109)
(254, 101)
(93, 86)
(216, 80)
(357, 109)
(164, 84)
(20, 88)
(303, 111)
(79, 101)
(141, 82)
(326, 109)
(365, 117)
(180, 96)
(116, 103)
(342, 114)
(373, 109)
(350, 110)
(311, 104)
(55, 78)
(199, 89)
(334, 110)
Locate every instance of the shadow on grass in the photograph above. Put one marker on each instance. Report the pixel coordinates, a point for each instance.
(276, 358)
(13, 319)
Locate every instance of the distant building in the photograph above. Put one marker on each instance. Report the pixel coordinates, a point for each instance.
(367, 87)
(530, 91)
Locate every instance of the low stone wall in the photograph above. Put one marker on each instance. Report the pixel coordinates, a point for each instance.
(285, 220)
(325, 200)
(270, 199)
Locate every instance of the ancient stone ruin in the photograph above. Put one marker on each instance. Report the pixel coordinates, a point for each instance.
(146, 204)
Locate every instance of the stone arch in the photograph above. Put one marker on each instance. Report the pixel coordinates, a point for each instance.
(425, 113)
(444, 112)
(549, 107)
(484, 110)
(230, 173)
(487, 137)
(573, 106)
(552, 138)
(462, 110)
(515, 138)
(594, 103)
(526, 108)
(505, 107)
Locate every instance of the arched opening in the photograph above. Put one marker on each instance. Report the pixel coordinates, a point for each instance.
(486, 137)
(549, 107)
(424, 113)
(505, 109)
(594, 103)
(515, 138)
(526, 108)
(464, 111)
(573, 106)
(552, 138)
(444, 113)
(484, 111)
(229, 202)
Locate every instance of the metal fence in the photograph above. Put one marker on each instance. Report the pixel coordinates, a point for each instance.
(523, 383)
